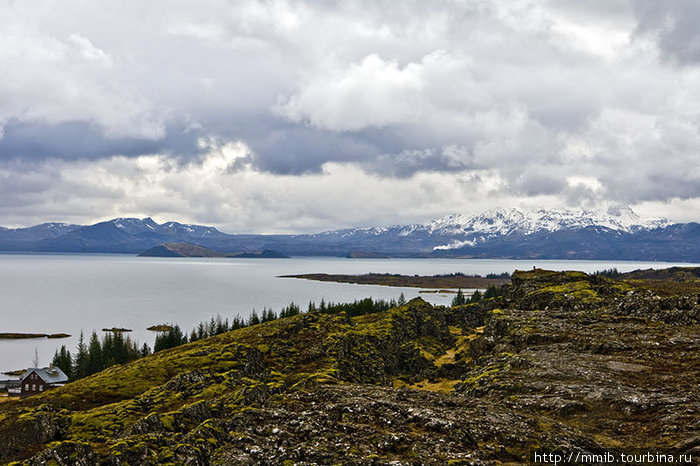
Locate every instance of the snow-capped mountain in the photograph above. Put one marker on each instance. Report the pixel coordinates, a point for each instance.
(460, 230)
(501, 222)
(611, 232)
(504, 222)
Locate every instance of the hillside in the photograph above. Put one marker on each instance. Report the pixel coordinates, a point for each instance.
(563, 361)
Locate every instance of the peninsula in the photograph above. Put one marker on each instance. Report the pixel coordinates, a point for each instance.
(453, 281)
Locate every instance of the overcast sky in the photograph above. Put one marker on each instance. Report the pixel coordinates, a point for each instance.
(293, 116)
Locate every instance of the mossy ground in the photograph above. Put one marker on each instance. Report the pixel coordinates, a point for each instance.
(560, 359)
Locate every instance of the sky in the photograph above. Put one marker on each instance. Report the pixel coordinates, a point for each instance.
(304, 116)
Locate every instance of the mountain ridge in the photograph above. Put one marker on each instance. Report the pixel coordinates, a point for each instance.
(613, 232)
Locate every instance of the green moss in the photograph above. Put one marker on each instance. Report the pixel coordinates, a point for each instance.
(489, 373)
(581, 290)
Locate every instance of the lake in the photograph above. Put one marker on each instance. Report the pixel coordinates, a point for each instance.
(69, 293)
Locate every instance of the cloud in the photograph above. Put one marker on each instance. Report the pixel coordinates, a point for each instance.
(515, 101)
(46, 79)
(223, 188)
(673, 26)
(372, 93)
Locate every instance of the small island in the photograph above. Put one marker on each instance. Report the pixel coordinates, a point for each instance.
(454, 281)
(365, 255)
(116, 330)
(194, 250)
(23, 336)
(160, 328)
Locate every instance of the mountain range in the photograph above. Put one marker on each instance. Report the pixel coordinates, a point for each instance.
(614, 232)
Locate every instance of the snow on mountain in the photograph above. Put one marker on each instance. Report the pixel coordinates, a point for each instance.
(148, 225)
(500, 222)
(459, 230)
(192, 230)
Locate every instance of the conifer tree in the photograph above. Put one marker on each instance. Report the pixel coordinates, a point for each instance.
(459, 299)
(170, 339)
(63, 361)
(476, 297)
(95, 360)
(80, 363)
(402, 299)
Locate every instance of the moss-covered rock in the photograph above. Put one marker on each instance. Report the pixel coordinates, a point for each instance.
(561, 360)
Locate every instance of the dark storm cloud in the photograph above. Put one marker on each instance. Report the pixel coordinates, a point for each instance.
(674, 25)
(83, 140)
(298, 150)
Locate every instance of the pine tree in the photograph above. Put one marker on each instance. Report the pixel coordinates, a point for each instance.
(95, 360)
(476, 297)
(80, 364)
(459, 299)
(402, 300)
(237, 323)
(170, 339)
(62, 360)
(220, 325)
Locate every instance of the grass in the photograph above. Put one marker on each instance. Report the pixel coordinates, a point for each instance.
(581, 290)
(666, 287)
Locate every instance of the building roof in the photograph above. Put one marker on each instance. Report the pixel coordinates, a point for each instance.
(49, 375)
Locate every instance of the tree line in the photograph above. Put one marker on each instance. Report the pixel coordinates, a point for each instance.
(218, 325)
(491, 292)
(609, 273)
(115, 348)
(98, 354)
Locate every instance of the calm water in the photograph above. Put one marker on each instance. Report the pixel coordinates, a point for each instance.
(70, 293)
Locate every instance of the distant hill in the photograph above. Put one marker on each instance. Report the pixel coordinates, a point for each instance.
(266, 254)
(672, 273)
(614, 233)
(192, 250)
(180, 250)
(365, 255)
